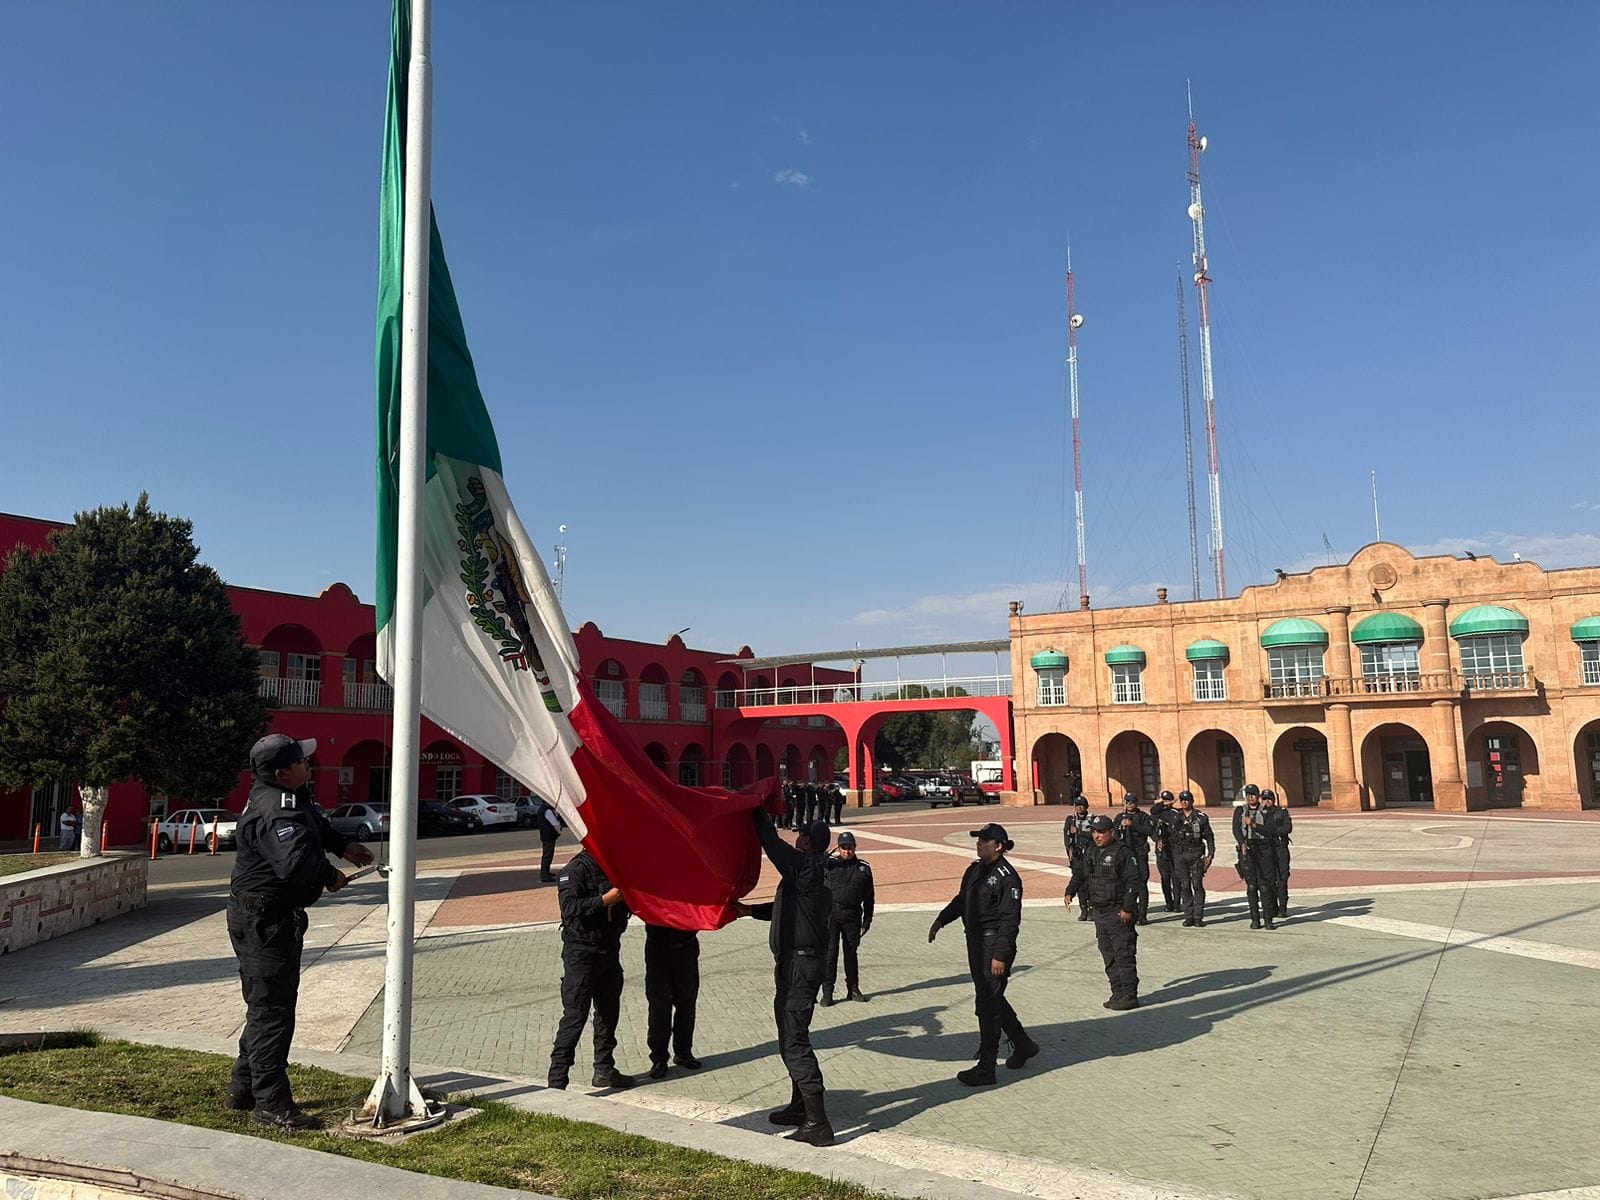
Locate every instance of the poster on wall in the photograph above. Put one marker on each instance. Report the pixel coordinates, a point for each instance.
(1474, 774)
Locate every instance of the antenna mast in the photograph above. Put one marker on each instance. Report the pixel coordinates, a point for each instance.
(561, 562)
(1202, 289)
(1188, 439)
(1074, 323)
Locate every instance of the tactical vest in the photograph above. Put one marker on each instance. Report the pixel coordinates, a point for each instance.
(1104, 889)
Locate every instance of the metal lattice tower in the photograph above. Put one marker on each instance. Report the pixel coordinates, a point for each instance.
(1202, 289)
(1188, 440)
(1074, 323)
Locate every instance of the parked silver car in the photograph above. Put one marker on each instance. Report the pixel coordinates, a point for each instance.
(361, 821)
(175, 832)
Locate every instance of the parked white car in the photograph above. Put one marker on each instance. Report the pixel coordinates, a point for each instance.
(485, 811)
(175, 831)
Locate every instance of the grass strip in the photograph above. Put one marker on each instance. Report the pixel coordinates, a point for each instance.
(503, 1146)
(15, 864)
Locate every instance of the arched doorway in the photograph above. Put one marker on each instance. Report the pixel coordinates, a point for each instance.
(766, 768)
(727, 690)
(691, 766)
(1132, 765)
(653, 693)
(819, 765)
(1586, 751)
(657, 754)
(1509, 760)
(1300, 766)
(1395, 767)
(1215, 765)
(740, 772)
(364, 774)
(794, 766)
(1057, 768)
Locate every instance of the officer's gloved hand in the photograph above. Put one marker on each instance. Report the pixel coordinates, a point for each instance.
(339, 880)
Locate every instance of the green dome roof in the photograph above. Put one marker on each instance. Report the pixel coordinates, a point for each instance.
(1048, 660)
(1294, 631)
(1488, 618)
(1386, 627)
(1206, 650)
(1587, 630)
(1124, 654)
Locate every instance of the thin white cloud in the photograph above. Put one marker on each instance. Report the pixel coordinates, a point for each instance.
(802, 137)
(792, 177)
(734, 184)
(1585, 506)
(939, 612)
(1550, 550)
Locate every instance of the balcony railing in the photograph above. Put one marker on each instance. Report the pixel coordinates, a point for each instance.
(1591, 672)
(1398, 683)
(692, 703)
(850, 693)
(375, 696)
(1210, 689)
(291, 693)
(1295, 689)
(1520, 680)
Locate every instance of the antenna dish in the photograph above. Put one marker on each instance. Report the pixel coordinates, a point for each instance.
(1202, 145)
(1195, 212)
(1076, 320)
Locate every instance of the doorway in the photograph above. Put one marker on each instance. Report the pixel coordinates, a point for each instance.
(1316, 781)
(1502, 769)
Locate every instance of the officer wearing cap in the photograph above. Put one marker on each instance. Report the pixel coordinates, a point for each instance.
(1280, 824)
(1193, 848)
(1110, 878)
(798, 939)
(1075, 836)
(593, 916)
(1161, 814)
(850, 884)
(1257, 865)
(989, 906)
(1135, 829)
(280, 870)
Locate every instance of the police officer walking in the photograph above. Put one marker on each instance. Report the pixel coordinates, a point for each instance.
(1281, 825)
(1135, 829)
(849, 882)
(1257, 860)
(799, 916)
(989, 906)
(281, 869)
(1193, 847)
(1161, 814)
(1075, 836)
(1109, 877)
(671, 987)
(593, 916)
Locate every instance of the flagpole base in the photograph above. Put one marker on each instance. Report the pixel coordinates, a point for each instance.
(385, 1114)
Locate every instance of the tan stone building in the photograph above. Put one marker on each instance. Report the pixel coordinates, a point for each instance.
(1452, 683)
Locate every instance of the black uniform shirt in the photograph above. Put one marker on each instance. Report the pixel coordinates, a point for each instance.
(284, 839)
(585, 919)
(989, 905)
(1136, 829)
(1190, 831)
(1251, 826)
(799, 911)
(1108, 875)
(1280, 825)
(1075, 834)
(850, 884)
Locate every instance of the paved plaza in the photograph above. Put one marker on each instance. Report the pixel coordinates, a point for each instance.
(1421, 1026)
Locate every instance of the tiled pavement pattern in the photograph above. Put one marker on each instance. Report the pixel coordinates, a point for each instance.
(1323, 1059)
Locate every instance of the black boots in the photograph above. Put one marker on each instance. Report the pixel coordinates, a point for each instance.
(290, 1118)
(826, 999)
(1023, 1048)
(792, 1113)
(1083, 914)
(814, 1129)
(980, 1074)
(855, 994)
(610, 1077)
(1121, 1003)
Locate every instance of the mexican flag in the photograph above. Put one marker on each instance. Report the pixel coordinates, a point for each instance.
(500, 670)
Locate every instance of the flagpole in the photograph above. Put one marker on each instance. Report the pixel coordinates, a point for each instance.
(395, 1098)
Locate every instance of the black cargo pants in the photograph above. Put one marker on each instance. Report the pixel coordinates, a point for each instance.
(268, 949)
(671, 988)
(592, 979)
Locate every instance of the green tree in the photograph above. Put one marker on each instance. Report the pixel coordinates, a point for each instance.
(121, 658)
(927, 740)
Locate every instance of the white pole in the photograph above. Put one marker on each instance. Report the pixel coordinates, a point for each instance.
(1377, 529)
(395, 1095)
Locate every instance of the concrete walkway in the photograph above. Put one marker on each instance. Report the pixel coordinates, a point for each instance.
(1418, 1028)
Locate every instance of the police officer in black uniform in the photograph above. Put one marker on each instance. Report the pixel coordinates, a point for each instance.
(791, 805)
(1281, 825)
(280, 870)
(1252, 835)
(1161, 814)
(1193, 848)
(798, 939)
(989, 906)
(1075, 836)
(671, 987)
(1135, 829)
(593, 916)
(837, 794)
(1110, 877)
(850, 884)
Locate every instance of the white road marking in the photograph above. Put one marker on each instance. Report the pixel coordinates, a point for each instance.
(1468, 939)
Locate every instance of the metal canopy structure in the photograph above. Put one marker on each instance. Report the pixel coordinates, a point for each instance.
(855, 652)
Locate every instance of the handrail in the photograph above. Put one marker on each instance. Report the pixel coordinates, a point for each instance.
(971, 687)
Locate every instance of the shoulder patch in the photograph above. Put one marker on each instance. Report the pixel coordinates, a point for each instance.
(288, 801)
(283, 832)
(565, 879)
(1016, 893)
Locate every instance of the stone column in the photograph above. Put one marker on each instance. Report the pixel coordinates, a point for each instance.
(1435, 656)
(1444, 740)
(1342, 760)
(1339, 641)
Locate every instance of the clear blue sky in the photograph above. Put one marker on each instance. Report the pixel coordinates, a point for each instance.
(767, 299)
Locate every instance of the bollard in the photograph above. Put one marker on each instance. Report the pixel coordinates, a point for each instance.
(213, 837)
(155, 837)
(194, 831)
(37, 830)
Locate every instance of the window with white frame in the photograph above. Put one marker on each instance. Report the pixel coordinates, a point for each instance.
(692, 702)
(1295, 670)
(269, 664)
(1210, 679)
(1390, 667)
(1052, 687)
(613, 693)
(506, 786)
(1493, 661)
(305, 666)
(1127, 683)
(653, 701)
(447, 783)
(1590, 654)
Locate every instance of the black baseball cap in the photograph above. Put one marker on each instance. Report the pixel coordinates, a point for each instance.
(819, 833)
(1251, 789)
(1101, 824)
(992, 833)
(847, 838)
(278, 750)
(1083, 800)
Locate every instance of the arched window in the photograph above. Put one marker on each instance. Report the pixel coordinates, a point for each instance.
(1490, 641)
(1050, 667)
(1389, 644)
(1294, 657)
(1127, 674)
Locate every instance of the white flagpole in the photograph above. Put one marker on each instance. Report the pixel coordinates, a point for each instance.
(395, 1097)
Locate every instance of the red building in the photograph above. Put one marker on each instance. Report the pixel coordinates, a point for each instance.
(317, 665)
